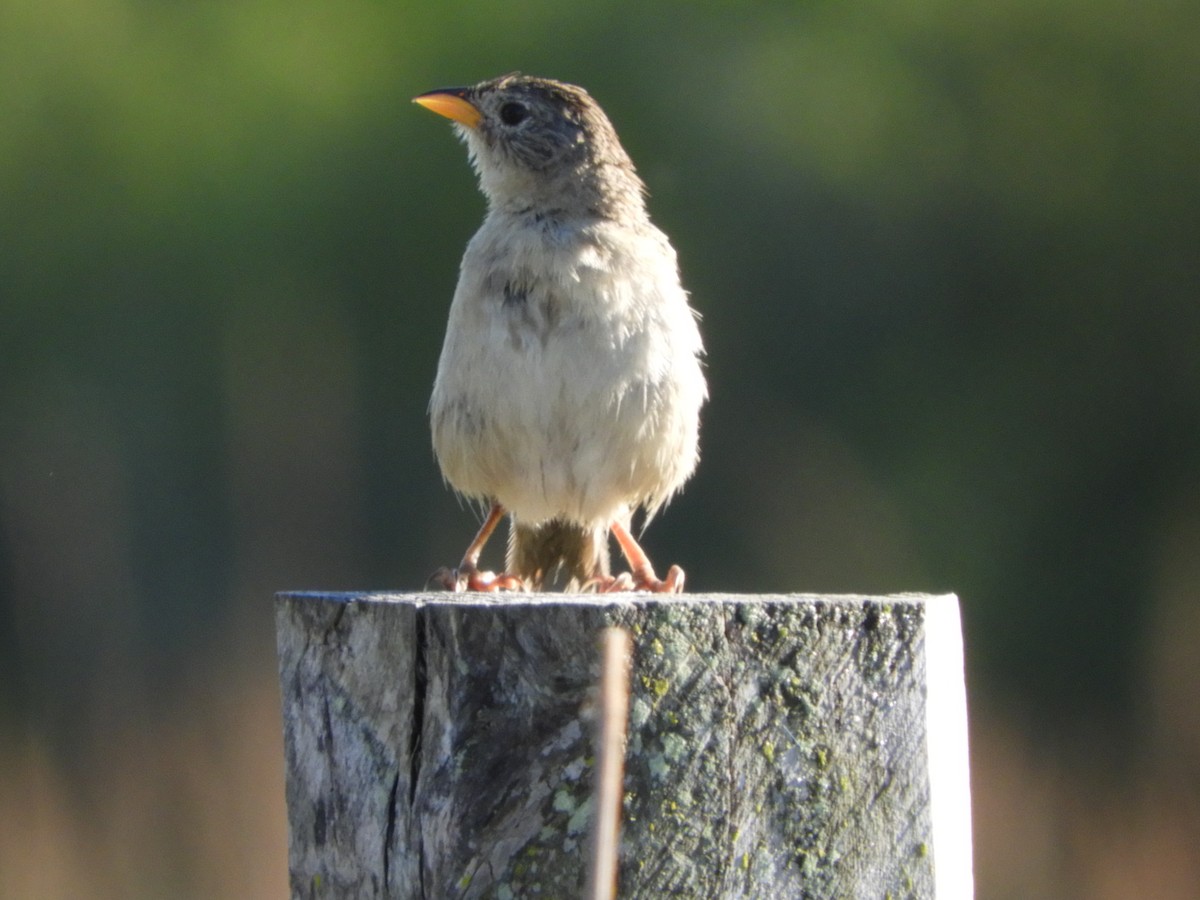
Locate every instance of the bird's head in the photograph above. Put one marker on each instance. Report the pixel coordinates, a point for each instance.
(541, 145)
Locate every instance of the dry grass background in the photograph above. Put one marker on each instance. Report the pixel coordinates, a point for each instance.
(185, 802)
(188, 802)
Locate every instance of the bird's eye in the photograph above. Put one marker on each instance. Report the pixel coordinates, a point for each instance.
(513, 113)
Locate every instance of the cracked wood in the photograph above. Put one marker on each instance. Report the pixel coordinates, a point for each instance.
(778, 745)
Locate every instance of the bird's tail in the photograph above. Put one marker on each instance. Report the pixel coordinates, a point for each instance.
(557, 554)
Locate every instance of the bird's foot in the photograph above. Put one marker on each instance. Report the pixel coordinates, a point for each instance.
(644, 580)
(609, 584)
(469, 578)
(647, 581)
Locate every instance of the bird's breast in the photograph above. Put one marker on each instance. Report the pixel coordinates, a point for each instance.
(568, 373)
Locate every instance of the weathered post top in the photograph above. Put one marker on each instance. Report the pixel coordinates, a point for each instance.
(440, 745)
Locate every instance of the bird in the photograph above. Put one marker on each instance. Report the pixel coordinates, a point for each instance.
(571, 377)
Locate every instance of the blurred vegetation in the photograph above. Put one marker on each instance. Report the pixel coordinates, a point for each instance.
(946, 255)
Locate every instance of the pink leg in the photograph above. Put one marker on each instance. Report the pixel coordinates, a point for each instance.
(641, 575)
(467, 576)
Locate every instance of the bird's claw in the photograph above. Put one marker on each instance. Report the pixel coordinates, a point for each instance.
(645, 581)
(672, 584)
(610, 584)
(469, 578)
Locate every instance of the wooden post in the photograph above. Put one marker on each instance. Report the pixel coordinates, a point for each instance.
(440, 746)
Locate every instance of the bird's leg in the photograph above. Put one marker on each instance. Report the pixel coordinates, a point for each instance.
(641, 575)
(467, 576)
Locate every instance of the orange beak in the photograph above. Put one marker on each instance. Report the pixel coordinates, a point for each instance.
(451, 103)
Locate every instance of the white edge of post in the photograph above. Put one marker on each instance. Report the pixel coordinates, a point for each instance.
(949, 768)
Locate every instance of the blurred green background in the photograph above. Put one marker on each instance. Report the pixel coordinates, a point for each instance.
(948, 259)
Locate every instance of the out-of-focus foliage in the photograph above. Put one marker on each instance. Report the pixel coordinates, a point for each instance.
(946, 254)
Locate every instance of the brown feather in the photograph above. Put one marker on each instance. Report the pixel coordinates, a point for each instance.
(557, 553)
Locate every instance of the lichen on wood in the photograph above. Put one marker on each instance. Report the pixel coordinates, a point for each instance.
(441, 746)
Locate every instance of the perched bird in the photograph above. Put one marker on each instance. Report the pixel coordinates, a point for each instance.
(569, 387)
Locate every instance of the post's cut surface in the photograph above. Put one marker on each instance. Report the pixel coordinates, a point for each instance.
(779, 746)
